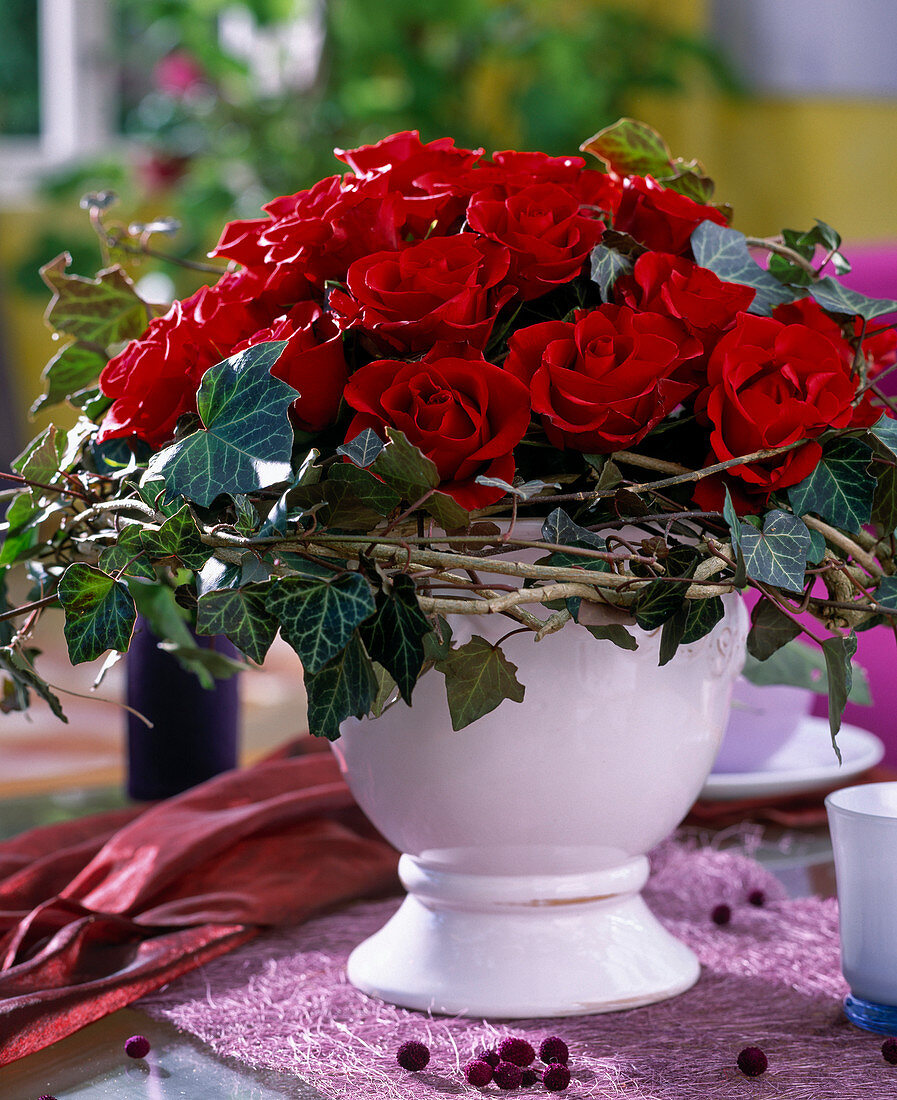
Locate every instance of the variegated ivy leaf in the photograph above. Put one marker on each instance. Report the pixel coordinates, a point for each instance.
(71, 370)
(99, 612)
(832, 295)
(240, 614)
(318, 616)
(777, 554)
(177, 538)
(607, 265)
(404, 468)
(478, 678)
(100, 312)
(838, 653)
(725, 252)
(345, 687)
(394, 637)
(246, 441)
(363, 449)
(840, 489)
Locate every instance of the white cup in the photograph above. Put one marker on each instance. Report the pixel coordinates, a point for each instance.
(863, 823)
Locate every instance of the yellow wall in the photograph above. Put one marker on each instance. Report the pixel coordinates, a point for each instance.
(785, 162)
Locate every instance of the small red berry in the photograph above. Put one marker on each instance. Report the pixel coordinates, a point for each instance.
(518, 1051)
(752, 1061)
(478, 1073)
(721, 914)
(554, 1049)
(138, 1046)
(889, 1051)
(528, 1077)
(489, 1056)
(506, 1075)
(556, 1078)
(413, 1055)
(757, 897)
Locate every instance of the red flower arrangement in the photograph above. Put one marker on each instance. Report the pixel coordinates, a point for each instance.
(437, 333)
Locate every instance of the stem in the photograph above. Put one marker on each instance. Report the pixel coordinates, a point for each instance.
(113, 241)
(646, 462)
(40, 485)
(837, 538)
(26, 607)
(772, 245)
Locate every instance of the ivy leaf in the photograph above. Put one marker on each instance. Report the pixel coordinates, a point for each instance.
(560, 529)
(344, 508)
(387, 691)
(526, 491)
(127, 555)
(831, 295)
(99, 612)
(178, 538)
(24, 680)
(438, 643)
(607, 265)
(801, 665)
(41, 459)
(478, 678)
(102, 311)
(23, 518)
(725, 252)
(702, 617)
(884, 502)
(615, 633)
(771, 629)
(631, 148)
(318, 616)
(734, 523)
(394, 637)
(840, 489)
(240, 614)
(343, 688)
(777, 554)
(247, 439)
(884, 430)
(366, 488)
(661, 600)
(283, 513)
(838, 652)
(403, 467)
(363, 449)
(73, 369)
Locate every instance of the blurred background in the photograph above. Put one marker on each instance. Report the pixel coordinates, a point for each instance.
(202, 110)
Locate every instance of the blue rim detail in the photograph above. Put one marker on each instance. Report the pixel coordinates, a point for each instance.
(871, 1016)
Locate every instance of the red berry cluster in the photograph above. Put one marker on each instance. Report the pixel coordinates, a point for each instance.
(509, 1066)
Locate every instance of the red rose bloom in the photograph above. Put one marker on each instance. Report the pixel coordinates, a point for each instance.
(769, 384)
(423, 173)
(312, 363)
(465, 414)
(449, 289)
(549, 240)
(602, 383)
(663, 283)
(660, 219)
(154, 380)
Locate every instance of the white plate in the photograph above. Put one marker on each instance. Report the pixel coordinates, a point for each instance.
(806, 762)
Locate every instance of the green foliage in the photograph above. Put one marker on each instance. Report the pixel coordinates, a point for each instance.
(607, 265)
(99, 612)
(478, 678)
(777, 554)
(840, 489)
(343, 688)
(318, 616)
(98, 312)
(394, 636)
(246, 441)
(240, 614)
(725, 252)
(838, 652)
(771, 629)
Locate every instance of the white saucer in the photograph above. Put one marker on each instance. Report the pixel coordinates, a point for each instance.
(806, 762)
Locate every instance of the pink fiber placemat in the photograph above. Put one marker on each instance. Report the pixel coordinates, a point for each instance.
(770, 978)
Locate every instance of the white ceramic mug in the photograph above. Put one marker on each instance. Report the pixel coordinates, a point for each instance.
(863, 823)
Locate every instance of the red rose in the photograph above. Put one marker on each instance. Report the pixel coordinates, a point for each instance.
(448, 288)
(548, 238)
(660, 219)
(312, 363)
(769, 384)
(154, 380)
(423, 173)
(602, 383)
(663, 283)
(465, 414)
